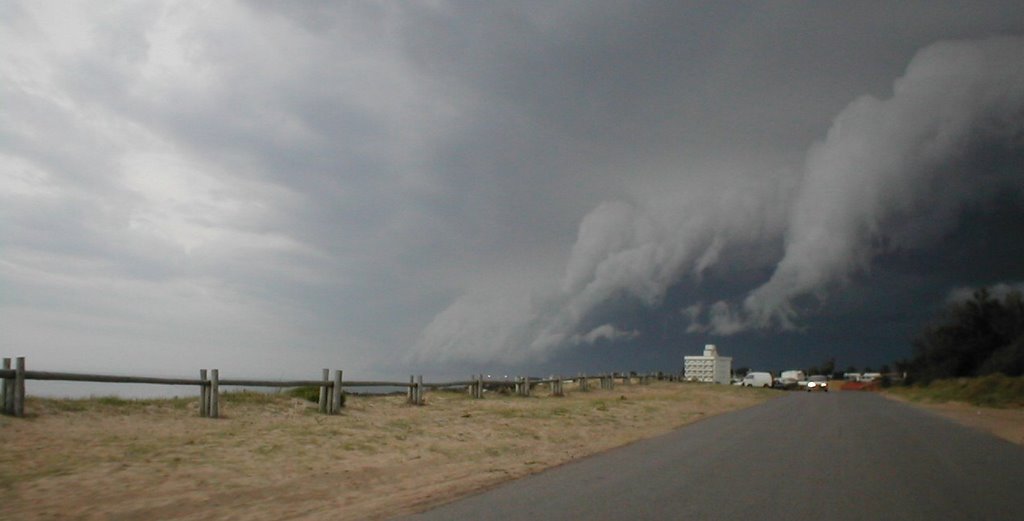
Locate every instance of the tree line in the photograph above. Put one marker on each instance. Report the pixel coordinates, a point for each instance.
(976, 337)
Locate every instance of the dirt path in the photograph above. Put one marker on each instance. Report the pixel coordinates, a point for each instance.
(274, 458)
(1004, 423)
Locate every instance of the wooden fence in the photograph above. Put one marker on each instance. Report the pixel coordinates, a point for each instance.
(12, 390)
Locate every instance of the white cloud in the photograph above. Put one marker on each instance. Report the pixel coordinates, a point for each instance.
(894, 173)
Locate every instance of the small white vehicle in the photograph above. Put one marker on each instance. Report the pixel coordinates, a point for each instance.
(870, 377)
(757, 379)
(795, 374)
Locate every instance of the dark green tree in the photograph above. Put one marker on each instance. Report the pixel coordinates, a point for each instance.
(979, 336)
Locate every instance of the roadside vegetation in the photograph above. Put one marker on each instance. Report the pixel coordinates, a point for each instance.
(995, 390)
(973, 353)
(980, 336)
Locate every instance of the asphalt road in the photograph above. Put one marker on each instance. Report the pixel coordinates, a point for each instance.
(828, 457)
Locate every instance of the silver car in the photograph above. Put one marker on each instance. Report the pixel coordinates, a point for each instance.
(817, 383)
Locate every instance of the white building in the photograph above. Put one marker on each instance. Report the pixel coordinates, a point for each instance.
(708, 368)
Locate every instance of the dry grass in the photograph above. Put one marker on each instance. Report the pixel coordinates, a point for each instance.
(272, 457)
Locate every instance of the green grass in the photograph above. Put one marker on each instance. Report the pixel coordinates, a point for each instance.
(108, 404)
(311, 394)
(249, 397)
(988, 391)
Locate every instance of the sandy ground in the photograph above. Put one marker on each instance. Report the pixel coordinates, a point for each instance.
(274, 458)
(1004, 423)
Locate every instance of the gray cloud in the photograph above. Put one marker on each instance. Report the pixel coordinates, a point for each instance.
(894, 174)
(891, 174)
(272, 186)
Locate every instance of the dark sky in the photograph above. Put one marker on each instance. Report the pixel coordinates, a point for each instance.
(457, 187)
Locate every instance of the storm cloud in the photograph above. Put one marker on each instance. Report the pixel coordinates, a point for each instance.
(890, 174)
(446, 186)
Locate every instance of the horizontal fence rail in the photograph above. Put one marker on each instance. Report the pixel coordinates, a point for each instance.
(12, 390)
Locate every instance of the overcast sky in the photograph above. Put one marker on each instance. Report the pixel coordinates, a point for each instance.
(458, 187)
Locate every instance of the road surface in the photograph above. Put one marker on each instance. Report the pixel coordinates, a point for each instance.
(805, 456)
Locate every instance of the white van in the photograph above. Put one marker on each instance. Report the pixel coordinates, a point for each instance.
(795, 374)
(757, 379)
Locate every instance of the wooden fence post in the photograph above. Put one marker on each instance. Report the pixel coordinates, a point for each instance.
(336, 397)
(419, 390)
(409, 392)
(19, 387)
(214, 393)
(204, 395)
(7, 391)
(323, 390)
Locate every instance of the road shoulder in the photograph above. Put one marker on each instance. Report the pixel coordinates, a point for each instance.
(1007, 424)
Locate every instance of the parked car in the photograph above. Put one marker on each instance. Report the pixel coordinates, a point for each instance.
(757, 379)
(785, 383)
(817, 382)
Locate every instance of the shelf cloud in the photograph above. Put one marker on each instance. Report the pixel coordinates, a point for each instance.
(890, 174)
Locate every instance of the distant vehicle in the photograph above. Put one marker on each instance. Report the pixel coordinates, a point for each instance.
(785, 383)
(794, 374)
(817, 382)
(853, 377)
(870, 377)
(757, 379)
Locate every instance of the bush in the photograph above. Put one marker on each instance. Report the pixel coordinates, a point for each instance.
(311, 394)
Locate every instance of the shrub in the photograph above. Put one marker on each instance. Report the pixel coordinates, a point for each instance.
(311, 394)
